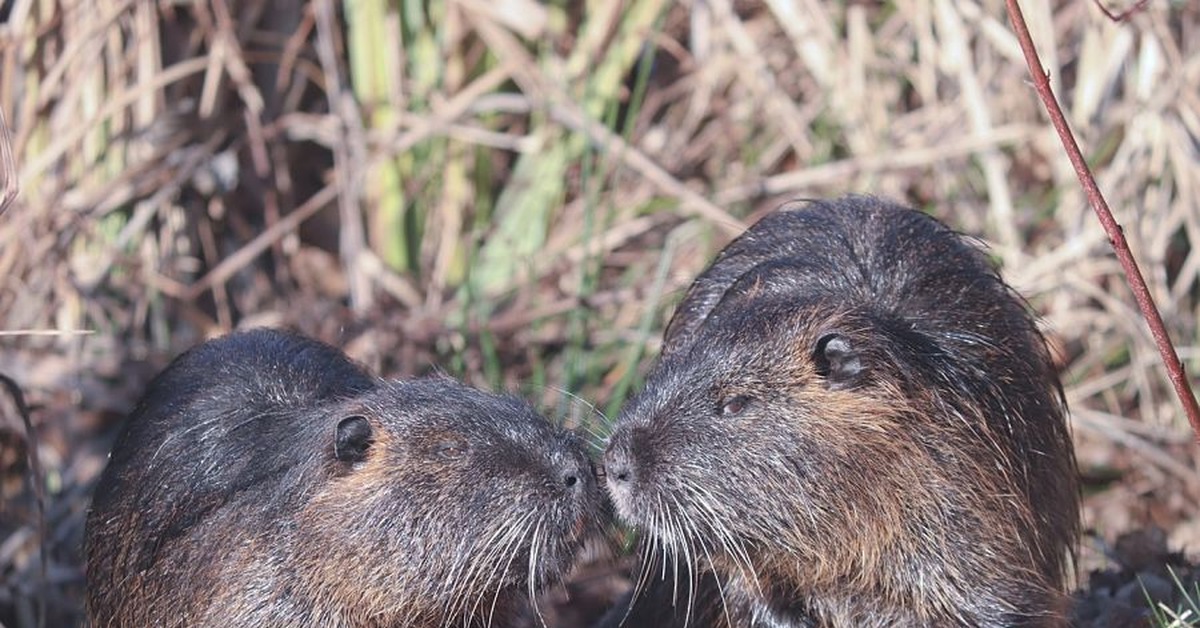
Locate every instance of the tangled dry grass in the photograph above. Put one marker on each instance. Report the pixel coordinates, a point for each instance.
(515, 192)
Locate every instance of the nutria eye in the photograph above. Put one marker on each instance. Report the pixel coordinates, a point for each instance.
(734, 405)
(452, 448)
(353, 439)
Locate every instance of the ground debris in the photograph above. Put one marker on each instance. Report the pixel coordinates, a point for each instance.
(1146, 581)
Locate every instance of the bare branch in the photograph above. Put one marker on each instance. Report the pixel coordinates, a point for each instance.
(1116, 236)
(1123, 15)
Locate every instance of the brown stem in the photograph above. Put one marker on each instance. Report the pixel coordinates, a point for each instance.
(1123, 15)
(1116, 235)
(8, 167)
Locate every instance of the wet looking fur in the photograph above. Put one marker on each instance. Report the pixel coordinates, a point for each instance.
(264, 479)
(854, 422)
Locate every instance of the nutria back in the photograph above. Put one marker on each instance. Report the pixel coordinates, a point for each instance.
(854, 422)
(265, 479)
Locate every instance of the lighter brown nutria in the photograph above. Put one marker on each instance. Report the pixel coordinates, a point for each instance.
(854, 422)
(266, 480)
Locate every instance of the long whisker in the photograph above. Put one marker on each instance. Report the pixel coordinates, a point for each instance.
(499, 570)
(706, 505)
(533, 563)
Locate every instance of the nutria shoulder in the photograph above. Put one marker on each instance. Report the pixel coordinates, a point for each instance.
(854, 422)
(265, 479)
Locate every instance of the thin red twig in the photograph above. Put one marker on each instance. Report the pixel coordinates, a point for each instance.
(1116, 236)
(1123, 15)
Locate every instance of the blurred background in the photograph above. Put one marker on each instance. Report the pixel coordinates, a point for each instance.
(517, 192)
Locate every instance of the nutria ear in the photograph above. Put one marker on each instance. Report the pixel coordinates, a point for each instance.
(838, 361)
(353, 439)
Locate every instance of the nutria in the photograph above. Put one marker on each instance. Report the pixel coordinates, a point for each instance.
(853, 422)
(266, 480)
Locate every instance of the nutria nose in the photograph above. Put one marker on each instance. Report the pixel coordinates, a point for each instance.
(617, 468)
(571, 473)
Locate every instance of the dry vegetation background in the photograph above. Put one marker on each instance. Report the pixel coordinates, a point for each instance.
(516, 192)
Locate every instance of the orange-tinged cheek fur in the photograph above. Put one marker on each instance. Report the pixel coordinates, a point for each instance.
(854, 503)
(406, 541)
(881, 496)
(864, 463)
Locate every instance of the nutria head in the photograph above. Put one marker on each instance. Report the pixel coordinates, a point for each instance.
(441, 503)
(854, 415)
(265, 479)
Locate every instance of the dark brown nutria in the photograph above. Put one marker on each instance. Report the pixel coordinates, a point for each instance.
(266, 480)
(854, 422)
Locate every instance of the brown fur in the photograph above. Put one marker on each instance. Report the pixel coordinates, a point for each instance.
(265, 480)
(854, 423)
